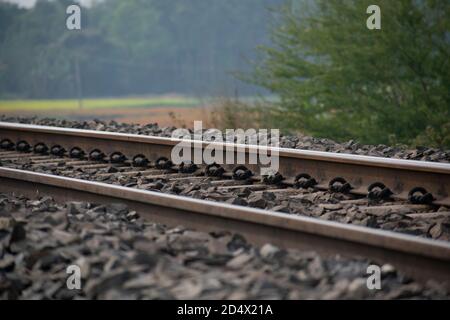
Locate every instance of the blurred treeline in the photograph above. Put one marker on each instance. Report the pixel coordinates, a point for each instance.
(336, 78)
(130, 47)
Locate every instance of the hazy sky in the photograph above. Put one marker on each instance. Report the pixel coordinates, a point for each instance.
(30, 3)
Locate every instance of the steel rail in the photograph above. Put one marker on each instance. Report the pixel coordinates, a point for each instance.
(420, 258)
(400, 176)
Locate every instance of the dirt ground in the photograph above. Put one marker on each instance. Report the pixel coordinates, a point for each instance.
(164, 116)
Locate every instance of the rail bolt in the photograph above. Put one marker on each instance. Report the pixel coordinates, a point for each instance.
(140, 161)
(241, 173)
(76, 153)
(163, 164)
(7, 144)
(40, 148)
(420, 195)
(117, 157)
(187, 167)
(273, 178)
(96, 155)
(23, 146)
(304, 181)
(57, 151)
(214, 170)
(340, 185)
(378, 191)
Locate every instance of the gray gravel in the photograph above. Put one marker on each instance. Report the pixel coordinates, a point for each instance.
(297, 142)
(122, 257)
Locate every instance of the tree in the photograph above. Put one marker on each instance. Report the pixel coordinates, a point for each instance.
(336, 78)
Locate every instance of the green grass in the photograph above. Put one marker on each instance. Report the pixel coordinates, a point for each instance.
(44, 105)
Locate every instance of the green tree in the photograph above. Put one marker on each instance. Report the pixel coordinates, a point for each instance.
(336, 78)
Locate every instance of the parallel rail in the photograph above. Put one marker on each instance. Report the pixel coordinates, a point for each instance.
(423, 259)
(400, 176)
(420, 258)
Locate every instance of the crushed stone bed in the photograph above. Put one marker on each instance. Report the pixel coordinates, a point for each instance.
(123, 257)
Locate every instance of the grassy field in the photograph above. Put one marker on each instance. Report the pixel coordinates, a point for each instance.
(168, 110)
(164, 110)
(90, 104)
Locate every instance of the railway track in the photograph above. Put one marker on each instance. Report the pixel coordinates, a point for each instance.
(136, 170)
